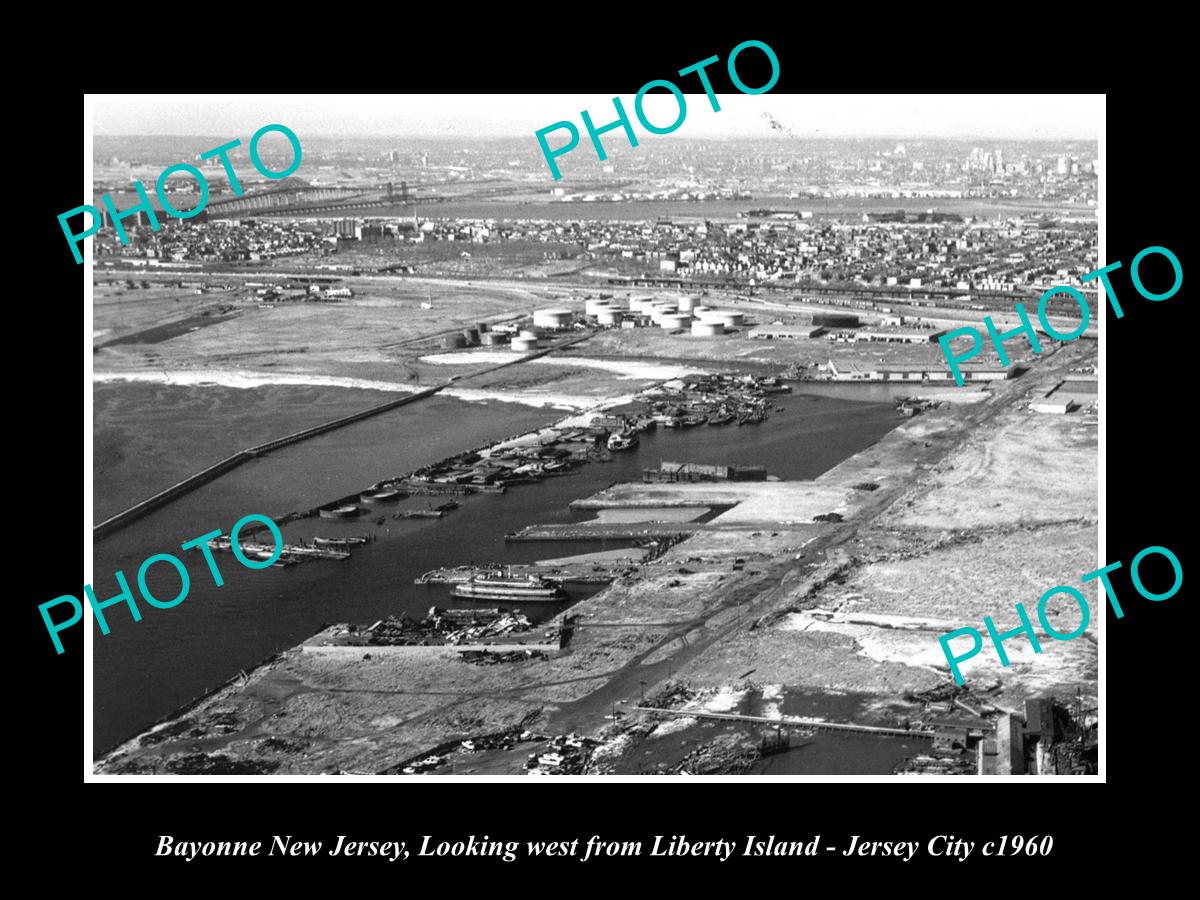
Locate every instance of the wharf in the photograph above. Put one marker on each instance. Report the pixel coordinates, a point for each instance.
(796, 722)
(604, 531)
(435, 488)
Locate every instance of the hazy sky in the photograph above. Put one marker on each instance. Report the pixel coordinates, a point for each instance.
(1063, 116)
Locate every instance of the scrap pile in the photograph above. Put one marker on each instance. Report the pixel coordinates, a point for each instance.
(446, 627)
(727, 754)
(565, 754)
(424, 765)
(935, 765)
(672, 695)
(488, 658)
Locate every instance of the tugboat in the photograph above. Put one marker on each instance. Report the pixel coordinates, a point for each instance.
(499, 585)
(622, 440)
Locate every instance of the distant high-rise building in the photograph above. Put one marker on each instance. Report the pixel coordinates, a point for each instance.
(1064, 165)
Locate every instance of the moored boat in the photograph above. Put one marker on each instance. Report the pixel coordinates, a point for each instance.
(622, 440)
(500, 586)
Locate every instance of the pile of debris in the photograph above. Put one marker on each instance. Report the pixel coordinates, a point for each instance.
(504, 740)
(565, 754)
(935, 765)
(727, 754)
(424, 765)
(443, 626)
(671, 695)
(488, 658)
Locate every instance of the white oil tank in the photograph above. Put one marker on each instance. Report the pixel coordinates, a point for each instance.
(672, 321)
(658, 310)
(552, 318)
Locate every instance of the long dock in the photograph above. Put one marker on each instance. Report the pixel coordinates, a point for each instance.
(795, 722)
(604, 531)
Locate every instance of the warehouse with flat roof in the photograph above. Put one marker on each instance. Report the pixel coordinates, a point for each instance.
(786, 332)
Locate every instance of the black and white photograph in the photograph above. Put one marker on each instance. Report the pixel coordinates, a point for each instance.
(460, 435)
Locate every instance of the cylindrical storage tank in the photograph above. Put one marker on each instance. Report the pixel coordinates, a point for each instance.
(495, 339)
(707, 329)
(471, 335)
(455, 342)
(610, 316)
(552, 318)
(659, 310)
(637, 304)
(835, 320)
(731, 319)
(687, 304)
(530, 333)
(592, 307)
(524, 344)
(671, 321)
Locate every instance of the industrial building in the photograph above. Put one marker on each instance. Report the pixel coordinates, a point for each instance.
(1053, 405)
(835, 320)
(686, 471)
(1043, 744)
(899, 337)
(786, 332)
(917, 372)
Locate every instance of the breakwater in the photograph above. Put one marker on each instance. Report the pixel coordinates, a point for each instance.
(113, 523)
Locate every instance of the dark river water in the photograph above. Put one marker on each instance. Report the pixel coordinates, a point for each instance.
(144, 670)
